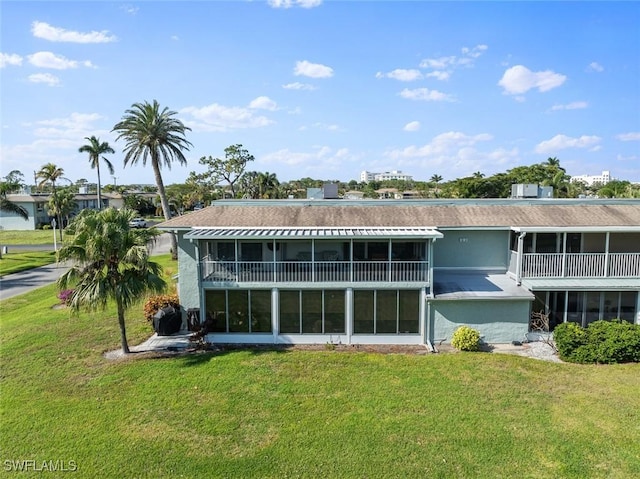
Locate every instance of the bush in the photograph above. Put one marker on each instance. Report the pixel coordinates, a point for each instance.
(466, 339)
(603, 342)
(154, 303)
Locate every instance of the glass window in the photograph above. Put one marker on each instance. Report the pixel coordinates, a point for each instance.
(575, 307)
(334, 307)
(238, 301)
(216, 307)
(312, 312)
(546, 243)
(386, 312)
(363, 312)
(251, 251)
(593, 307)
(408, 311)
(290, 312)
(628, 301)
(261, 311)
(226, 251)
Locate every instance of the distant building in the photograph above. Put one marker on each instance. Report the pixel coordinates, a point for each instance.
(368, 176)
(590, 180)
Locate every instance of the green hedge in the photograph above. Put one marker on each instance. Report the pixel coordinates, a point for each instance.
(603, 342)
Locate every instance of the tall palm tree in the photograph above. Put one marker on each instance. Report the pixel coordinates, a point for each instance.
(110, 262)
(154, 134)
(95, 150)
(50, 173)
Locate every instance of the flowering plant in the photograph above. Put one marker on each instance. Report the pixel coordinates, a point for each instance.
(65, 296)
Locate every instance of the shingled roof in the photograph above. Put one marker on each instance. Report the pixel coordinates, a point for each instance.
(429, 213)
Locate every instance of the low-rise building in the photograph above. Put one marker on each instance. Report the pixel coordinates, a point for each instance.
(372, 272)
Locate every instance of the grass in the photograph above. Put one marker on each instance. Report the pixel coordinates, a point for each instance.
(300, 413)
(28, 237)
(16, 262)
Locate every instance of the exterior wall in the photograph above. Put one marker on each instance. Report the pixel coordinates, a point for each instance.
(189, 287)
(498, 321)
(10, 221)
(470, 249)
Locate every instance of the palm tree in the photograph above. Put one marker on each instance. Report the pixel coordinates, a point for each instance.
(63, 205)
(154, 134)
(436, 179)
(50, 173)
(110, 262)
(95, 150)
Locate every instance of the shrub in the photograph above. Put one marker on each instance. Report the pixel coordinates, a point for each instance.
(602, 342)
(466, 339)
(154, 303)
(568, 338)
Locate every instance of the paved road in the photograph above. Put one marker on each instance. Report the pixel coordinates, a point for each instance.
(19, 283)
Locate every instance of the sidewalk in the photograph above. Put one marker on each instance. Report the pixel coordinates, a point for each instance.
(175, 342)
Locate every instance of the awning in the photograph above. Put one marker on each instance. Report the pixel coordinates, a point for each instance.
(311, 233)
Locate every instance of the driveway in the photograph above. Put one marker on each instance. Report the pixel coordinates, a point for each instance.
(19, 283)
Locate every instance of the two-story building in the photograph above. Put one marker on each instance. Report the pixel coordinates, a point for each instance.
(411, 272)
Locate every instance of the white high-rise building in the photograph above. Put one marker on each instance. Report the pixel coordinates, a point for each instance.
(367, 176)
(590, 180)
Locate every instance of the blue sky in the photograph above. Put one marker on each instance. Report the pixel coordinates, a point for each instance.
(328, 89)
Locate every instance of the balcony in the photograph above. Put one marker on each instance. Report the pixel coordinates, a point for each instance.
(580, 265)
(314, 271)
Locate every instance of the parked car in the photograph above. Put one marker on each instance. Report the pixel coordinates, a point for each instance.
(138, 223)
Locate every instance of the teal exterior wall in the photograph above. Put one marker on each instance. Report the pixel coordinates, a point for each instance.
(11, 221)
(189, 290)
(499, 321)
(472, 249)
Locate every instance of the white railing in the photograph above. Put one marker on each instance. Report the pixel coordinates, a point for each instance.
(580, 265)
(314, 271)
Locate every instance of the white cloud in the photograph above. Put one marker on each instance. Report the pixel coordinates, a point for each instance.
(631, 136)
(312, 70)
(454, 153)
(294, 3)
(10, 59)
(263, 103)
(298, 86)
(519, 79)
(595, 67)
(425, 94)
(57, 62)
(216, 117)
(130, 9)
(443, 67)
(576, 105)
(439, 75)
(401, 74)
(47, 78)
(412, 126)
(76, 125)
(175, 38)
(56, 34)
(318, 162)
(561, 142)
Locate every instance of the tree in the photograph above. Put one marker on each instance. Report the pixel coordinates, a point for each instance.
(154, 134)
(110, 262)
(62, 205)
(436, 179)
(230, 169)
(50, 173)
(96, 150)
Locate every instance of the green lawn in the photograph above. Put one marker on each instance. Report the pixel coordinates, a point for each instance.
(15, 262)
(298, 413)
(32, 237)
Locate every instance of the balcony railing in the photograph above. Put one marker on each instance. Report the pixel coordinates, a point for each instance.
(580, 265)
(314, 271)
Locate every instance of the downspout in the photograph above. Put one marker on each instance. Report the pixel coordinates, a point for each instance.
(519, 258)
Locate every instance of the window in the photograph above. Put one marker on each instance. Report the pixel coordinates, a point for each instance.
(239, 311)
(312, 312)
(386, 311)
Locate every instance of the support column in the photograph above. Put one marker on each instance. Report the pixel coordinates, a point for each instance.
(275, 313)
(348, 316)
